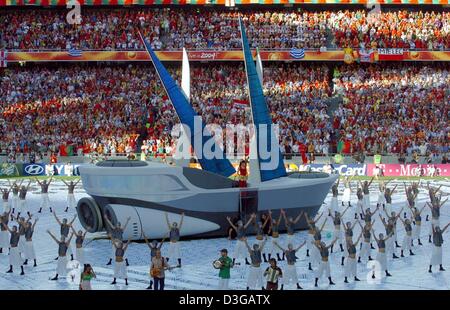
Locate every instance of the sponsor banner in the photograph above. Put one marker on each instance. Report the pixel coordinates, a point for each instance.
(410, 170)
(342, 169)
(267, 55)
(50, 169)
(207, 55)
(351, 169)
(9, 170)
(212, 2)
(390, 54)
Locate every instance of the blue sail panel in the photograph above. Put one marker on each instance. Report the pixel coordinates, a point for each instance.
(261, 116)
(187, 115)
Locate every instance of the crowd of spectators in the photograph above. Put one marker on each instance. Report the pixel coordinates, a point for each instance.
(109, 109)
(106, 109)
(394, 108)
(207, 28)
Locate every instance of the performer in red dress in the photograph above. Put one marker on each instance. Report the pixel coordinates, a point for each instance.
(242, 174)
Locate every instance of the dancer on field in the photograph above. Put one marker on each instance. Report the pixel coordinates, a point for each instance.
(45, 201)
(240, 249)
(71, 201)
(290, 273)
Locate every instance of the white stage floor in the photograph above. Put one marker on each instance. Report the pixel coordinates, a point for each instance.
(197, 256)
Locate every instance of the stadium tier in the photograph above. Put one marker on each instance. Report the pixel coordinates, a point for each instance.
(217, 29)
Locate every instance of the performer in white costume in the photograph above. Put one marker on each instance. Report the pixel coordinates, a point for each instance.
(255, 275)
(45, 201)
(240, 249)
(63, 246)
(438, 240)
(71, 201)
(290, 273)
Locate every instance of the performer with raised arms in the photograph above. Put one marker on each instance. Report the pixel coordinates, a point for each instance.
(324, 264)
(407, 239)
(255, 276)
(366, 245)
(347, 191)
(117, 234)
(79, 240)
(416, 214)
(350, 263)
(438, 240)
(45, 201)
(240, 249)
(174, 237)
(435, 208)
(259, 229)
(15, 200)
(337, 221)
(4, 234)
(348, 231)
(381, 255)
(120, 268)
(65, 229)
(275, 230)
(63, 246)
(290, 222)
(71, 201)
(290, 273)
(312, 224)
(22, 199)
(30, 254)
(153, 246)
(381, 199)
(15, 261)
(334, 199)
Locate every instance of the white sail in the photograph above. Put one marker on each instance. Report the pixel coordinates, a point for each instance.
(255, 174)
(180, 156)
(259, 67)
(186, 76)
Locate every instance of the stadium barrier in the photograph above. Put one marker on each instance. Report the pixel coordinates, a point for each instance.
(396, 170)
(231, 55)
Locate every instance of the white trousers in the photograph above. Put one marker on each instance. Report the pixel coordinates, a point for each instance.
(4, 239)
(290, 274)
(120, 270)
(365, 250)
(350, 267)
(406, 244)
(29, 250)
(80, 255)
(71, 202)
(22, 206)
(61, 266)
(6, 207)
(255, 278)
(223, 284)
(382, 260)
(14, 257)
(324, 267)
(174, 251)
(436, 256)
(45, 201)
(240, 250)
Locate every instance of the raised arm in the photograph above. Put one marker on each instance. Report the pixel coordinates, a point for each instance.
(298, 217)
(354, 223)
(126, 223)
(375, 236)
(231, 223)
(28, 185)
(73, 220)
(53, 237)
(300, 246)
(371, 180)
(344, 211)
(126, 244)
(323, 225)
(56, 217)
(37, 180)
(393, 190)
(266, 221)
(317, 219)
(359, 238)
(167, 221)
(50, 181)
(181, 221)
(278, 246)
(247, 246)
(372, 213)
(65, 182)
(445, 228)
(34, 224)
(441, 204)
(108, 222)
(252, 217)
(332, 243)
(70, 239)
(7, 227)
(76, 183)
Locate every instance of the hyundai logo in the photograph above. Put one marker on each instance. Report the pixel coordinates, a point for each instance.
(34, 170)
